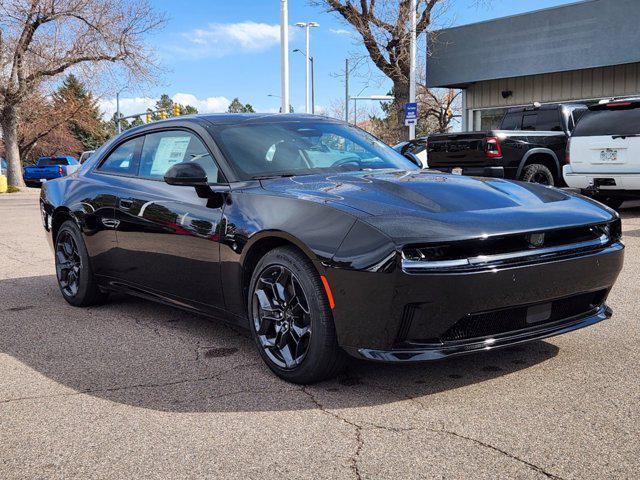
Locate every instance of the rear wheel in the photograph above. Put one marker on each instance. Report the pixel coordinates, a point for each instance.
(73, 270)
(538, 173)
(291, 320)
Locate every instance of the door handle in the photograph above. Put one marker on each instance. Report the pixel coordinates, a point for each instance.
(125, 204)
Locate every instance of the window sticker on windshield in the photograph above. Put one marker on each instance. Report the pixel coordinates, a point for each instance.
(171, 150)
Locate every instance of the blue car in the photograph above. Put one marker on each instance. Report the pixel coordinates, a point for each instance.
(48, 168)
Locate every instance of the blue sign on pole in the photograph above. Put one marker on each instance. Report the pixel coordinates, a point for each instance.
(410, 113)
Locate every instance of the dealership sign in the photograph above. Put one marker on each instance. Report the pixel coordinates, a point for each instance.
(410, 113)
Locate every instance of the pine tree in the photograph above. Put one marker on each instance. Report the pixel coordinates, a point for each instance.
(86, 124)
(237, 106)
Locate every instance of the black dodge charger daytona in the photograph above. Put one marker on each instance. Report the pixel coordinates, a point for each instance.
(323, 241)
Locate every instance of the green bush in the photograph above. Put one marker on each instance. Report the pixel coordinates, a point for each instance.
(12, 189)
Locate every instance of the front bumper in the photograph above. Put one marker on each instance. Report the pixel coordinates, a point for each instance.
(430, 353)
(385, 316)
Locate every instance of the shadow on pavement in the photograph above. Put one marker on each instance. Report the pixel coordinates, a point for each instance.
(151, 356)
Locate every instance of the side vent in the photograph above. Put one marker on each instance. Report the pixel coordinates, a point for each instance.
(408, 313)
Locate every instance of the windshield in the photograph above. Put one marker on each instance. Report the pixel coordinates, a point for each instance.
(303, 147)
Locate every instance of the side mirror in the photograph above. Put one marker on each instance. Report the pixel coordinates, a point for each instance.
(186, 174)
(413, 159)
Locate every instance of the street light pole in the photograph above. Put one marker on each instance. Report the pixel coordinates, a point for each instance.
(307, 26)
(284, 55)
(313, 89)
(412, 73)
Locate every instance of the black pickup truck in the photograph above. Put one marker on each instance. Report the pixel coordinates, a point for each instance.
(530, 146)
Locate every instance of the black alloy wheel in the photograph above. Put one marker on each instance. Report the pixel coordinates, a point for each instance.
(68, 264)
(291, 318)
(73, 268)
(281, 316)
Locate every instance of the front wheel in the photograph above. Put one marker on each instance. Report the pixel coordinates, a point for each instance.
(291, 319)
(538, 173)
(73, 270)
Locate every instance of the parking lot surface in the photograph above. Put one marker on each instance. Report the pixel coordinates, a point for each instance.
(133, 389)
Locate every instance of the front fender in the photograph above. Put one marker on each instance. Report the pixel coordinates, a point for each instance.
(316, 229)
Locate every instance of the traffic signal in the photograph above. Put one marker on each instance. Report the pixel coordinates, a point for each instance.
(176, 109)
(449, 112)
(149, 118)
(163, 114)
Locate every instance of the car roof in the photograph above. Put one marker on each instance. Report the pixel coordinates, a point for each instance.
(547, 106)
(234, 119)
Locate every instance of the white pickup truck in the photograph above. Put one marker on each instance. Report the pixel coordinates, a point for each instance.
(603, 153)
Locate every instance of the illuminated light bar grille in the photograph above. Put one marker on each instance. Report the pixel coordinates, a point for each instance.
(526, 247)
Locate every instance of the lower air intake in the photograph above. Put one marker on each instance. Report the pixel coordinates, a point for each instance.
(488, 324)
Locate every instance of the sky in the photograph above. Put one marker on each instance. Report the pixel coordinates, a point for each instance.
(212, 51)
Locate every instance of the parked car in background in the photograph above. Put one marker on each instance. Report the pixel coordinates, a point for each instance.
(86, 155)
(48, 168)
(256, 220)
(604, 152)
(414, 149)
(3, 166)
(530, 145)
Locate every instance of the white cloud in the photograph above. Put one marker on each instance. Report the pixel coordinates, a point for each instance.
(221, 39)
(204, 105)
(339, 31)
(133, 105)
(128, 106)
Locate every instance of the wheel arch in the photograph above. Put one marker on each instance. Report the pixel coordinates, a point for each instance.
(59, 216)
(262, 243)
(543, 156)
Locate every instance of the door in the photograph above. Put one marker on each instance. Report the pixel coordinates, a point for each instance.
(98, 199)
(168, 237)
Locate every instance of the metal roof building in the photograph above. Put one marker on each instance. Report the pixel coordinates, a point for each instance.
(582, 51)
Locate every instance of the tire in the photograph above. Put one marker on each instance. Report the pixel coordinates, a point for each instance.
(316, 355)
(538, 173)
(611, 202)
(73, 268)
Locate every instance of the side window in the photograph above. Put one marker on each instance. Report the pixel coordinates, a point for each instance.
(549, 121)
(123, 160)
(529, 122)
(512, 121)
(162, 150)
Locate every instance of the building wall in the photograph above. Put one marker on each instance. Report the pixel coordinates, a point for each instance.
(593, 83)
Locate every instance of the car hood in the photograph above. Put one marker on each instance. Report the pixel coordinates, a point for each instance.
(424, 205)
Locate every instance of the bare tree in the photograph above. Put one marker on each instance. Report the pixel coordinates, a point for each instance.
(437, 108)
(384, 28)
(41, 39)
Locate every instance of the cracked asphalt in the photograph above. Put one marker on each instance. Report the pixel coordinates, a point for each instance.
(133, 389)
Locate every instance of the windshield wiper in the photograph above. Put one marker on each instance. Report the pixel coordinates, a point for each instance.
(274, 175)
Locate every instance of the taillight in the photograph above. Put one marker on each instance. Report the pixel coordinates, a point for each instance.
(567, 155)
(60, 171)
(492, 147)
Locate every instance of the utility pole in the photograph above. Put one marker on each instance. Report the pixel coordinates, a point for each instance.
(346, 90)
(284, 55)
(118, 127)
(412, 74)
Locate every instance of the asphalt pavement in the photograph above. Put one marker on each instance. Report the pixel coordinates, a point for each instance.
(133, 389)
